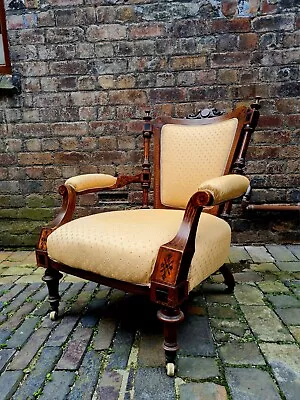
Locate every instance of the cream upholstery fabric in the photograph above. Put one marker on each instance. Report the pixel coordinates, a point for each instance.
(124, 244)
(226, 187)
(91, 181)
(191, 155)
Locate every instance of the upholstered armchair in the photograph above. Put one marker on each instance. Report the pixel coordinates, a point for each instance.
(166, 250)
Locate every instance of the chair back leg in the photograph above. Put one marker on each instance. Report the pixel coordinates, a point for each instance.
(228, 278)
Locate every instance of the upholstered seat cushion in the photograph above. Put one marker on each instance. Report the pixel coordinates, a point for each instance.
(124, 244)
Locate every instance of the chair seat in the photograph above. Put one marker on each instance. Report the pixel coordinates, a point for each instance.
(124, 244)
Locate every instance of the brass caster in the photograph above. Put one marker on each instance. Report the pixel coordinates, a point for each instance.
(53, 315)
(170, 367)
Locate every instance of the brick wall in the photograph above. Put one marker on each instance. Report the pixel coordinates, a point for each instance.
(89, 68)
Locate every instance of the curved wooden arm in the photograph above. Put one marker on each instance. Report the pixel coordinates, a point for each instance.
(64, 215)
(174, 258)
(66, 211)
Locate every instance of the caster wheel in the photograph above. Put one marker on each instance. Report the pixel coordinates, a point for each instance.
(170, 367)
(53, 315)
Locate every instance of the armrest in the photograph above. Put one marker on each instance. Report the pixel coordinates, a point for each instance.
(225, 187)
(85, 182)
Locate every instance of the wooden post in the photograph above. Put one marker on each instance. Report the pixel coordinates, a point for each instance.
(239, 164)
(146, 173)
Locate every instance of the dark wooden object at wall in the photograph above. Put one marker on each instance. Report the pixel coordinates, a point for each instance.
(168, 284)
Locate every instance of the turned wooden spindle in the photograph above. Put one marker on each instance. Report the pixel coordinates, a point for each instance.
(146, 172)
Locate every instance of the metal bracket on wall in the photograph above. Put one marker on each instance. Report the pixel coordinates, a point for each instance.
(10, 84)
(247, 206)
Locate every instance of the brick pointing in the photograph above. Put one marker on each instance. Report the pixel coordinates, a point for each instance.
(89, 69)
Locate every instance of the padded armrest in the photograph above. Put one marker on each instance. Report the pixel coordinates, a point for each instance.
(226, 187)
(91, 181)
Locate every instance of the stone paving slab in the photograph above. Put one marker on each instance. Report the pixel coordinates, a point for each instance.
(240, 346)
(281, 253)
(284, 360)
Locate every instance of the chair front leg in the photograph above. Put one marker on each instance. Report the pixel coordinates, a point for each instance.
(170, 318)
(52, 277)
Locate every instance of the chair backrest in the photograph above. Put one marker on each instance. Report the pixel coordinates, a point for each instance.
(189, 151)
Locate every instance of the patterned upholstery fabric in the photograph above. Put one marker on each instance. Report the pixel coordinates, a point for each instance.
(226, 187)
(191, 155)
(91, 181)
(124, 244)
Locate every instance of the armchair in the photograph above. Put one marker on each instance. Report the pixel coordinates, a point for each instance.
(165, 251)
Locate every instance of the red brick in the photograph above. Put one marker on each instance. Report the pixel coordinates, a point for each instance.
(21, 21)
(263, 152)
(238, 59)
(52, 172)
(130, 96)
(107, 157)
(46, 18)
(126, 14)
(34, 158)
(229, 7)
(88, 143)
(64, 35)
(183, 110)
(65, 158)
(278, 137)
(232, 25)
(288, 106)
(248, 41)
(250, 91)
(276, 22)
(13, 145)
(88, 199)
(87, 113)
(106, 127)
(30, 129)
(107, 143)
(147, 30)
(227, 75)
(189, 28)
(37, 68)
(70, 143)
(188, 62)
(270, 121)
(97, 33)
(70, 129)
(289, 151)
(34, 172)
(74, 67)
(293, 120)
(7, 159)
(87, 99)
(135, 126)
(268, 8)
(65, 2)
(3, 174)
(167, 94)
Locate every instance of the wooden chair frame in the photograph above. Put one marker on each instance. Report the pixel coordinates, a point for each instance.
(169, 290)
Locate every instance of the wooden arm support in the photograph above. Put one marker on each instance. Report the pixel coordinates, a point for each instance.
(169, 278)
(67, 209)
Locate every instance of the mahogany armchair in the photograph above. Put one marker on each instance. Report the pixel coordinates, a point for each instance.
(165, 251)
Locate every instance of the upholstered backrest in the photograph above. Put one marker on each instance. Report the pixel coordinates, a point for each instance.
(190, 153)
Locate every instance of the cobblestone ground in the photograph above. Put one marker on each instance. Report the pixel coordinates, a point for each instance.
(241, 346)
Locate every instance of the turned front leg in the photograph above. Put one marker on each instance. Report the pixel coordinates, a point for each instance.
(52, 277)
(170, 318)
